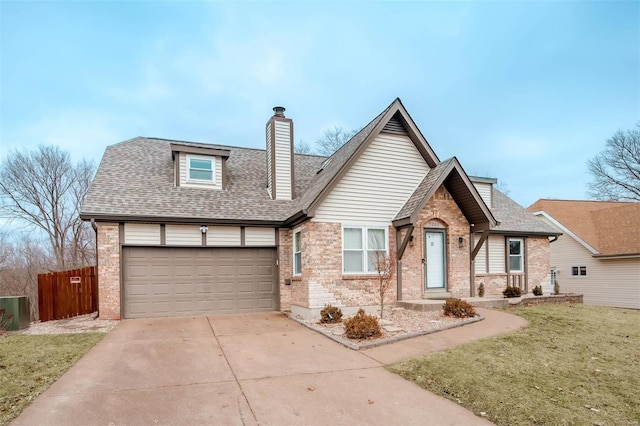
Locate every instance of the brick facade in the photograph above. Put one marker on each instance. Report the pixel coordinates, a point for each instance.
(108, 241)
(440, 212)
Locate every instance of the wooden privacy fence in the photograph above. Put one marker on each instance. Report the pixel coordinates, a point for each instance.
(67, 294)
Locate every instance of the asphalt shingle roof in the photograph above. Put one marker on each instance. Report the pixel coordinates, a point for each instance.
(611, 227)
(515, 218)
(421, 191)
(136, 178)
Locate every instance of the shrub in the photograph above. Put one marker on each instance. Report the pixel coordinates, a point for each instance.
(458, 308)
(537, 290)
(512, 292)
(362, 326)
(556, 288)
(330, 315)
(481, 290)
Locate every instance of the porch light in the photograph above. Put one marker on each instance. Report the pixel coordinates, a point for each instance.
(204, 229)
(460, 242)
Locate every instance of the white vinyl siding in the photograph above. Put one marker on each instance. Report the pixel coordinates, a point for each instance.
(269, 165)
(283, 159)
(484, 189)
(183, 235)
(184, 173)
(609, 282)
(141, 233)
(481, 258)
(389, 169)
(496, 254)
(223, 236)
(259, 237)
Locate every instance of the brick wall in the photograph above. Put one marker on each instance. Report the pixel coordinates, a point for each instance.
(440, 212)
(108, 240)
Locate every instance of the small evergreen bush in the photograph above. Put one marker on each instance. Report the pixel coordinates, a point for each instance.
(330, 315)
(556, 288)
(481, 290)
(537, 290)
(458, 308)
(362, 326)
(512, 292)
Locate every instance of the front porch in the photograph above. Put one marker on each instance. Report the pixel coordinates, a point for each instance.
(494, 302)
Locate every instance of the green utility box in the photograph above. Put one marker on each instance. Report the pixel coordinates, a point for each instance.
(18, 306)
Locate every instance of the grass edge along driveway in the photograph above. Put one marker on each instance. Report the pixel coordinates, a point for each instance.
(573, 364)
(29, 364)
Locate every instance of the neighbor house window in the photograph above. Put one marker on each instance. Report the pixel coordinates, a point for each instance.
(297, 252)
(578, 271)
(516, 257)
(554, 276)
(200, 169)
(361, 247)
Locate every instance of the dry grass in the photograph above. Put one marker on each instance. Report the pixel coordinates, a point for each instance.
(573, 365)
(30, 364)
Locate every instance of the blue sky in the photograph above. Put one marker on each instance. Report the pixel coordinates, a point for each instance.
(522, 91)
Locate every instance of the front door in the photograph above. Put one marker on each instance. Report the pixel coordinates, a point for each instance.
(435, 259)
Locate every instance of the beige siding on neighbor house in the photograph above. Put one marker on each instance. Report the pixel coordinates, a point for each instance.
(223, 236)
(259, 236)
(283, 159)
(141, 233)
(496, 254)
(183, 235)
(484, 189)
(184, 173)
(378, 184)
(614, 282)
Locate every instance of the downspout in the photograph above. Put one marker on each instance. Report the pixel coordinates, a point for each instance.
(95, 229)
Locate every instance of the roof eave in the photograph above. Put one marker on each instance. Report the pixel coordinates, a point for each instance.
(103, 217)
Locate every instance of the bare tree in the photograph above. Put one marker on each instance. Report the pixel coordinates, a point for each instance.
(44, 190)
(616, 170)
(22, 262)
(302, 148)
(333, 139)
(385, 267)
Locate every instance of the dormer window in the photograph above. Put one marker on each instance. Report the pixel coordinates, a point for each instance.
(200, 169)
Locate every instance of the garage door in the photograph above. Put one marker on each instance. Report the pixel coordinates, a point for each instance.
(162, 282)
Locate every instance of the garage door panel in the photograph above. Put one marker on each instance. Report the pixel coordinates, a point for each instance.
(160, 281)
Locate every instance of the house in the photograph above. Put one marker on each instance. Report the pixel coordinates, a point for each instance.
(598, 253)
(190, 228)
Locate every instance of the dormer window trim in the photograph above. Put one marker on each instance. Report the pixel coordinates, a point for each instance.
(202, 159)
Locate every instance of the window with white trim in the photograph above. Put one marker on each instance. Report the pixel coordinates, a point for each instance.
(297, 252)
(200, 169)
(516, 255)
(579, 271)
(361, 248)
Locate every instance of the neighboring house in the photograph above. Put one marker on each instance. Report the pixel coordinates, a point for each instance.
(189, 228)
(598, 254)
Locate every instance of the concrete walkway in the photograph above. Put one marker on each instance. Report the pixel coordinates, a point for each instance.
(248, 369)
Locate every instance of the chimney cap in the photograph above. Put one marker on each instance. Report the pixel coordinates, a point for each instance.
(278, 111)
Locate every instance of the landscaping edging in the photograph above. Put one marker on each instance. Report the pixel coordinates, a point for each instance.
(358, 346)
(553, 299)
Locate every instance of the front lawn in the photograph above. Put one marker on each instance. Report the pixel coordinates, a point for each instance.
(573, 365)
(29, 364)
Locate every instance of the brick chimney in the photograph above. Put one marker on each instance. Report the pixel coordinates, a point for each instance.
(280, 182)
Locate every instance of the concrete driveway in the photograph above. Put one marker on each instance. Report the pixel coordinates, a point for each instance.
(242, 369)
